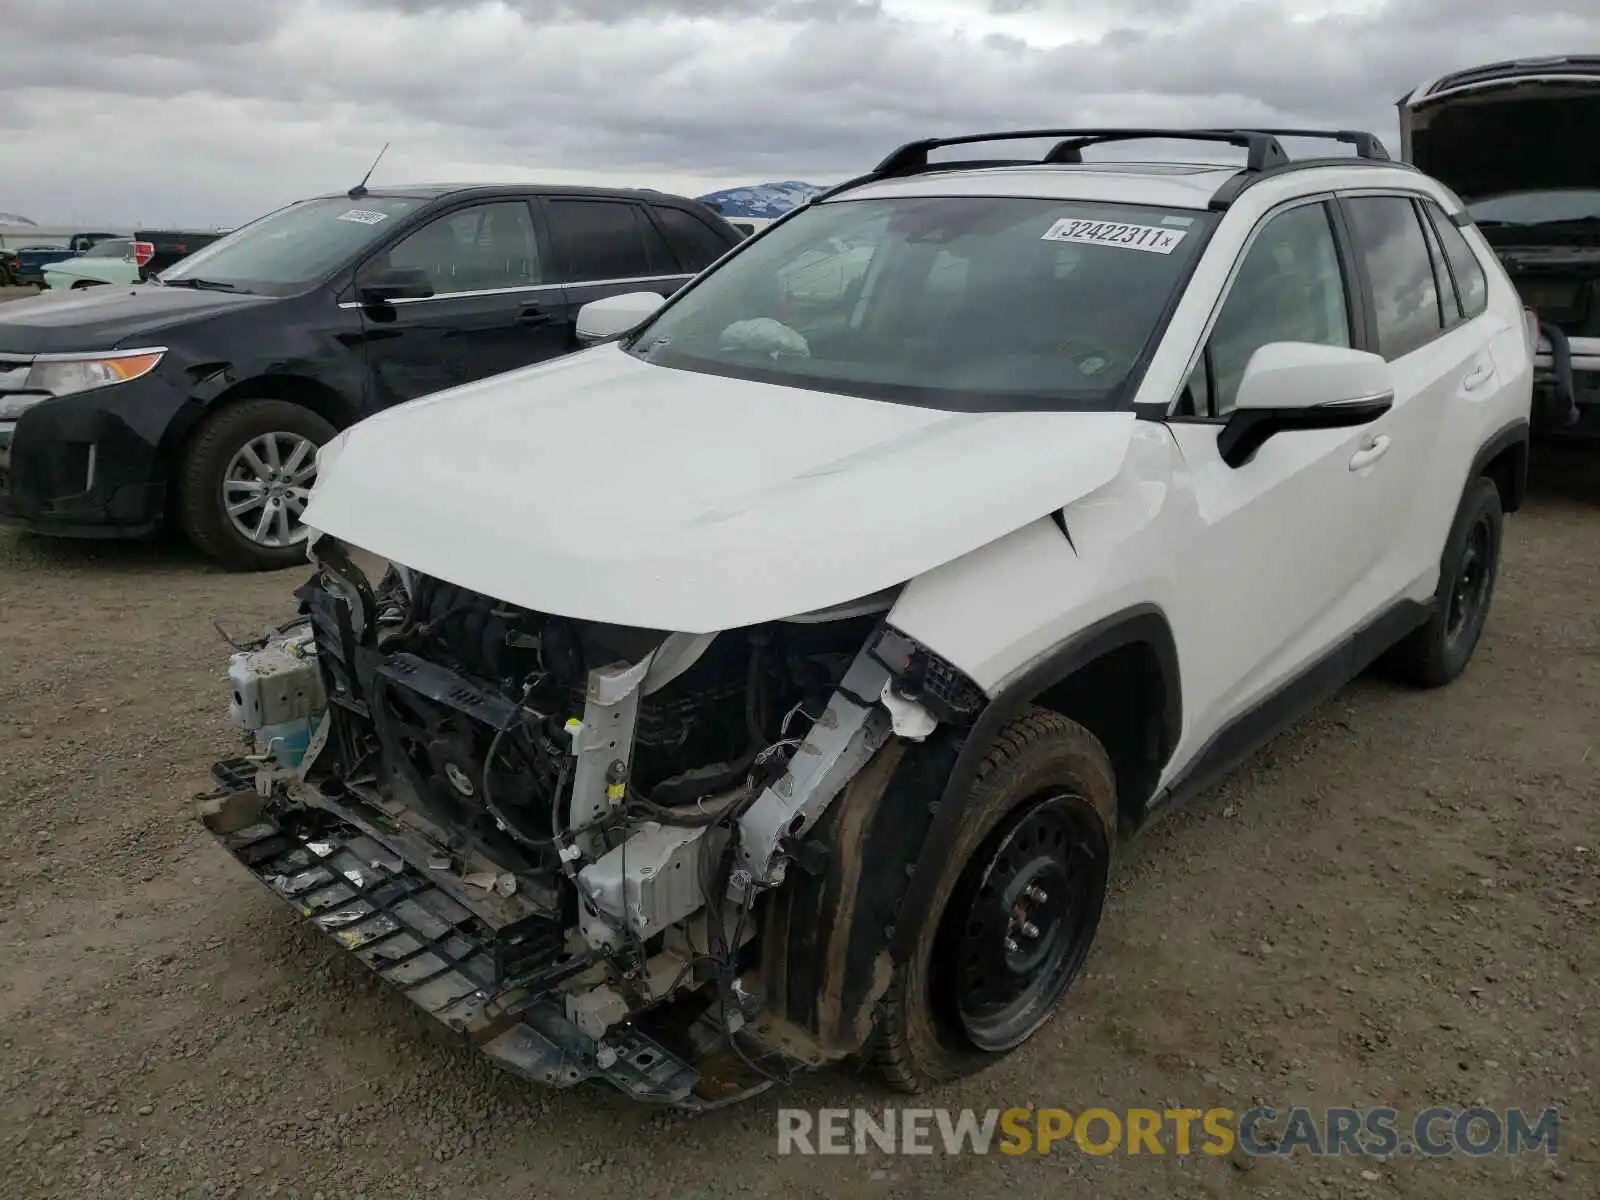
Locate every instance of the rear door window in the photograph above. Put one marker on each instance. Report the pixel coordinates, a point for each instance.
(600, 240)
(1405, 294)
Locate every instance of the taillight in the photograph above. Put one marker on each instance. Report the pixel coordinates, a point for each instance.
(143, 252)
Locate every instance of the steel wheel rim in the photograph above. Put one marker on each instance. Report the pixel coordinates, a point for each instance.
(266, 487)
(1470, 588)
(1021, 922)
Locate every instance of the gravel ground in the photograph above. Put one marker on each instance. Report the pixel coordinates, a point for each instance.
(1393, 904)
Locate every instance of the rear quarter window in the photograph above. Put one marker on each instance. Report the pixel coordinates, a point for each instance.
(1466, 271)
(695, 243)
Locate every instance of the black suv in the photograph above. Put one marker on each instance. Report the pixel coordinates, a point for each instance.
(201, 397)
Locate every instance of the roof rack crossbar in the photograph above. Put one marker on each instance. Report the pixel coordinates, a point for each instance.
(1367, 145)
(1262, 149)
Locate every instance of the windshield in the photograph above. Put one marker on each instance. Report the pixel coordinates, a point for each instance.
(970, 303)
(1537, 208)
(114, 248)
(294, 246)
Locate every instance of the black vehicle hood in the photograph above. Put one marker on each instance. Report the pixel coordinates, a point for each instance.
(110, 317)
(1507, 135)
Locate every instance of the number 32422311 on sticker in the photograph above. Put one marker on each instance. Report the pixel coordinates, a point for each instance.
(1150, 238)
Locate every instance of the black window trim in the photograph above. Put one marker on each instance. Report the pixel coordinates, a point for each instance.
(1424, 203)
(1455, 314)
(1357, 312)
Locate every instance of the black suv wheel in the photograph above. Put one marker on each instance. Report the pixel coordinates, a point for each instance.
(244, 482)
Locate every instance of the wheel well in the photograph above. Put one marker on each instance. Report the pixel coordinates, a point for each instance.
(293, 389)
(1508, 470)
(1121, 698)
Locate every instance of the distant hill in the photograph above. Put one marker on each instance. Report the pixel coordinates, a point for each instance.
(762, 199)
(12, 219)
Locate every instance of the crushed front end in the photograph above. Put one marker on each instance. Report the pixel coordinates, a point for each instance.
(553, 835)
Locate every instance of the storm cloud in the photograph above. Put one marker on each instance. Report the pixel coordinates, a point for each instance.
(168, 110)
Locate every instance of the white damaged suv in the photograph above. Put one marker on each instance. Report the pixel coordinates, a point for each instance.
(774, 682)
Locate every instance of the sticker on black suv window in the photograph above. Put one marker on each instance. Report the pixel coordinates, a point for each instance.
(364, 215)
(1152, 239)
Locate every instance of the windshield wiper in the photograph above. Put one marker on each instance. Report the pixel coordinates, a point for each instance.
(207, 285)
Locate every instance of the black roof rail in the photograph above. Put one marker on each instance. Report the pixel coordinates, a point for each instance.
(1262, 149)
(1264, 153)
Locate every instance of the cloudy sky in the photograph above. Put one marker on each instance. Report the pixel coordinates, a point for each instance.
(213, 111)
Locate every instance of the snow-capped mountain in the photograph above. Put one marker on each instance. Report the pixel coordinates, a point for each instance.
(762, 199)
(13, 219)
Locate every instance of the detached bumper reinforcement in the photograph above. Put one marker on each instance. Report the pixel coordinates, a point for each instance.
(424, 943)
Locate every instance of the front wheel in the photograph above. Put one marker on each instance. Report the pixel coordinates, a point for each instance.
(1016, 906)
(245, 480)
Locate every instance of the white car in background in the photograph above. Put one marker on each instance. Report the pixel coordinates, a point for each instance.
(775, 681)
(113, 261)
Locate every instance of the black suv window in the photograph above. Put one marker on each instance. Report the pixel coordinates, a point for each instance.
(1466, 272)
(607, 239)
(697, 244)
(475, 249)
(1289, 288)
(1405, 296)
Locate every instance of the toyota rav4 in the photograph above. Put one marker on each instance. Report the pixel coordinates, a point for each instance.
(773, 682)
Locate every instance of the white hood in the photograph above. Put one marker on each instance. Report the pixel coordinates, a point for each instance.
(600, 487)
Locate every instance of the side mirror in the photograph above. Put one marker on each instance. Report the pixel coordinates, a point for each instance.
(602, 320)
(408, 283)
(1291, 386)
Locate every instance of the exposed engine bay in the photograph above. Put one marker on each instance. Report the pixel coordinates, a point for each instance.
(544, 829)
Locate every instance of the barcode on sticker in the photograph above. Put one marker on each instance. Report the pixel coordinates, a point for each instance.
(364, 216)
(1152, 239)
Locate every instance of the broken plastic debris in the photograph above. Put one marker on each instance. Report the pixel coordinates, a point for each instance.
(320, 849)
(480, 879)
(344, 916)
(354, 876)
(911, 721)
(505, 883)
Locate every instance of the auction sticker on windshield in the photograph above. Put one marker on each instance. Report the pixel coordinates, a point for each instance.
(1150, 238)
(364, 215)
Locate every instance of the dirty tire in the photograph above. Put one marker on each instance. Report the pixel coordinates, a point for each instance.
(1040, 764)
(1436, 653)
(200, 476)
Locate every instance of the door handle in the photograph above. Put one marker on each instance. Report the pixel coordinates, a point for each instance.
(1370, 453)
(1477, 377)
(535, 316)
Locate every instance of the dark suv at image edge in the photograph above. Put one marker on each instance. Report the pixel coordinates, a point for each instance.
(201, 397)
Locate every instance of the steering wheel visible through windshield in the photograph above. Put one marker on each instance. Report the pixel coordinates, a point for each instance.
(965, 302)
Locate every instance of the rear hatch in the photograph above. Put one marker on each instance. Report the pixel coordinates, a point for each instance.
(1514, 140)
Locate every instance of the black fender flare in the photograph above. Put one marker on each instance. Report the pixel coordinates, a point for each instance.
(1143, 623)
(862, 883)
(1517, 432)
